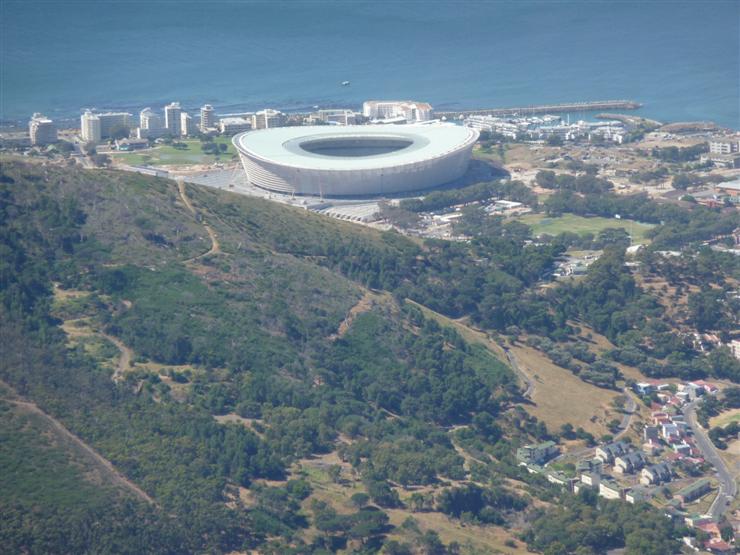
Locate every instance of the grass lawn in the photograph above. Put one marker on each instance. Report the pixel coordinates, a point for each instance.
(581, 225)
(166, 155)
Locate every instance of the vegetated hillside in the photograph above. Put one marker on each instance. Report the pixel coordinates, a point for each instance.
(246, 367)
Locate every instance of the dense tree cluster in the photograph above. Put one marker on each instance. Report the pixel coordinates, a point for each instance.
(587, 524)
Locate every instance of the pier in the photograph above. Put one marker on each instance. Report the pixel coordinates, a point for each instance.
(545, 109)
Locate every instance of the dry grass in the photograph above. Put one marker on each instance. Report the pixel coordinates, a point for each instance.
(560, 397)
(724, 418)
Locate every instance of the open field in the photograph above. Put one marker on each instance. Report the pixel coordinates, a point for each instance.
(578, 224)
(560, 397)
(167, 155)
(725, 418)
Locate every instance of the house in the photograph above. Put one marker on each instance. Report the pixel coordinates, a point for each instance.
(670, 432)
(719, 546)
(660, 418)
(595, 466)
(131, 144)
(629, 463)
(608, 452)
(537, 454)
(656, 474)
(651, 433)
(682, 448)
(637, 494)
(609, 489)
(590, 479)
(693, 520)
(643, 388)
(708, 387)
(693, 491)
(561, 479)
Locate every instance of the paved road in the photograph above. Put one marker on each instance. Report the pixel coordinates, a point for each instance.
(515, 365)
(727, 486)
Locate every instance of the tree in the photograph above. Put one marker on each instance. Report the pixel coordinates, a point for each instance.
(360, 499)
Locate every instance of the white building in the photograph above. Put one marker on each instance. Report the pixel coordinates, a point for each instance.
(90, 127)
(42, 130)
(410, 110)
(340, 116)
(110, 120)
(150, 125)
(172, 118)
(207, 117)
(187, 125)
(267, 119)
(724, 146)
(234, 125)
(735, 348)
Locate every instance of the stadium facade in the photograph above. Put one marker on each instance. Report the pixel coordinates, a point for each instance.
(355, 160)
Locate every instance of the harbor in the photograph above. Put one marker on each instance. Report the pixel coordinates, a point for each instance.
(596, 105)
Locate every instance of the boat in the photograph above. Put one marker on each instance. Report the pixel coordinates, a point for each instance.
(345, 83)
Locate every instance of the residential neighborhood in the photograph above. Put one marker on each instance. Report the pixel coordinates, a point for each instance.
(668, 468)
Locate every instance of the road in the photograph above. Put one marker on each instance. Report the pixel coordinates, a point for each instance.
(124, 361)
(515, 365)
(727, 486)
(629, 411)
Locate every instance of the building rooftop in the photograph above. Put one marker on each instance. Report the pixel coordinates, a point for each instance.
(285, 145)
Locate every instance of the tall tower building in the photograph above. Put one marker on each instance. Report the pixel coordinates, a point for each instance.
(172, 118)
(187, 125)
(90, 127)
(150, 124)
(42, 130)
(207, 117)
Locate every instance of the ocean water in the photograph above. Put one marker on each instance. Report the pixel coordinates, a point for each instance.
(681, 59)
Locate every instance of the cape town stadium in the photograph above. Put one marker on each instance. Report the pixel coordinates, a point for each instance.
(356, 159)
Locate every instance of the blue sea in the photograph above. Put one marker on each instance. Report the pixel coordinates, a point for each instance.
(681, 59)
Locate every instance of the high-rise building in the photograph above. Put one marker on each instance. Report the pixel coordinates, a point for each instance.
(90, 127)
(150, 125)
(172, 118)
(268, 118)
(111, 120)
(187, 125)
(207, 117)
(42, 130)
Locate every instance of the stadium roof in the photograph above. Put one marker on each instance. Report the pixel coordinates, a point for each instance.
(284, 145)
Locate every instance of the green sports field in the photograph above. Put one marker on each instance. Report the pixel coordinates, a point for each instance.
(578, 224)
(167, 155)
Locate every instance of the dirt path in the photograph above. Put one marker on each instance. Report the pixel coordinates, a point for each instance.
(215, 245)
(103, 464)
(529, 382)
(124, 361)
(366, 303)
